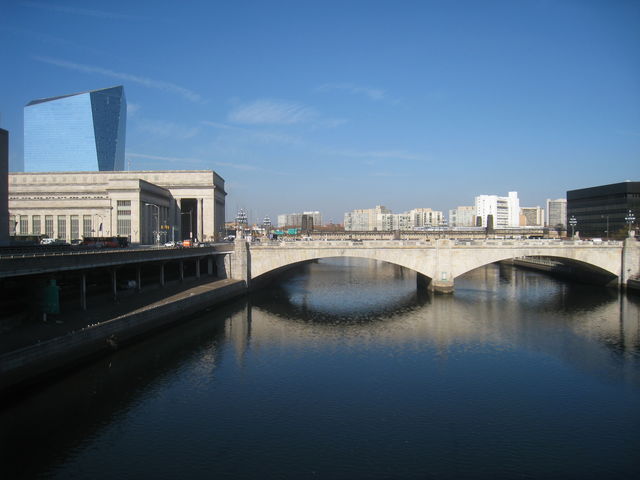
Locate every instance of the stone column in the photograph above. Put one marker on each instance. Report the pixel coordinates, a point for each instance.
(240, 261)
(442, 281)
(630, 260)
(200, 220)
(138, 279)
(223, 266)
(198, 267)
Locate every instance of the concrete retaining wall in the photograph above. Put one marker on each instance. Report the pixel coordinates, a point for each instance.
(28, 364)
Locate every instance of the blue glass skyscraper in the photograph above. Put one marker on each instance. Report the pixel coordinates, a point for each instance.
(78, 132)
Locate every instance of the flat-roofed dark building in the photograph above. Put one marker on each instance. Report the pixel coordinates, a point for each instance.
(598, 209)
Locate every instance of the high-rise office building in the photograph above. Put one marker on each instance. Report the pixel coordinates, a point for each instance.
(78, 132)
(556, 215)
(603, 210)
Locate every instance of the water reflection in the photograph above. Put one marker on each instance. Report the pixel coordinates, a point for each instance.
(344, 369)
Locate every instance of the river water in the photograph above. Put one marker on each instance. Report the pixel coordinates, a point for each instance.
(342, 369)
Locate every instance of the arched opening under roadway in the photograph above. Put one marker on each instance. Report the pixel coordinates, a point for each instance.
(568, 269)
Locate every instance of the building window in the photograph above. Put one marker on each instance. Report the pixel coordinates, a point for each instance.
(75, 227)
(48, 226)
(86, 225)
(62, 227)
(12, 224)
(35, 225)
(124, 218)
(24, 224)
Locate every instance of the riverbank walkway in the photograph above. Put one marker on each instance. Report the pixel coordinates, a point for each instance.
(104, 308)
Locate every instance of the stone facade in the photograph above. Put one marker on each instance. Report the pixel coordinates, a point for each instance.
(70, 205)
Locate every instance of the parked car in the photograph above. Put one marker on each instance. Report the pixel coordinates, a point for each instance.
(170, 244)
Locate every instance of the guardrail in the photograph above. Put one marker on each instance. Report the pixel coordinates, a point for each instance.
(432, 243)
(56, 251)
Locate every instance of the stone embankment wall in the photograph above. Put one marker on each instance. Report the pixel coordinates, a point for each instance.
(22, 366)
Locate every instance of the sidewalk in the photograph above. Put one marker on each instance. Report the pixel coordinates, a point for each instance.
(101, 309)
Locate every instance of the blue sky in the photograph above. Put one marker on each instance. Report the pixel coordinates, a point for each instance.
(333, 106)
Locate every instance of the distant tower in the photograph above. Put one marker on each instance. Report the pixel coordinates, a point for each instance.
(78, 132)
(241, 217)
(266, 223)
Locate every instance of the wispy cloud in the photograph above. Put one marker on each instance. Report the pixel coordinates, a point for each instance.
(239, 166)
(272, 112)
(132, 108)
(147, 82)
(180, 160)
(162, 128)
(380, 154)
(85, 12)
(370, 92)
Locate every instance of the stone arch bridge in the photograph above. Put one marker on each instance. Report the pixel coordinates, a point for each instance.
(438, 262)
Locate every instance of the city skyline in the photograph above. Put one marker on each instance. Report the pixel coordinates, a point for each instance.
(336, 107)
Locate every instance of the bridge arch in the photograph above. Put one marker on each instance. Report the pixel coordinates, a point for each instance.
(594, 263)
(264, 264)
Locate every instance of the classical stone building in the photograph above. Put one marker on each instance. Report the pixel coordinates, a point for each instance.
(145, 206)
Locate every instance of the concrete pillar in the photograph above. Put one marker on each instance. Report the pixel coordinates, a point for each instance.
(83, 291)
(181, 267)
(209, 265)
(442, 281)
(162, 274)
(240, 261)
(223, 266)
(198, 267)
(138, 278)
(630, 260)
(201, 219)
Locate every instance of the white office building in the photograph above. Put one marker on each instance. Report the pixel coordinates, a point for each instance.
(505, 210)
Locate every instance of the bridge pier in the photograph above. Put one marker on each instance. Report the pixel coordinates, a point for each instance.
(441, 286)
(437, 286)
(630, 260)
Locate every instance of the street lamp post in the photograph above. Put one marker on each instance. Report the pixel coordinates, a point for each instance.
(630, 219)
(158, 221)
(573, 222)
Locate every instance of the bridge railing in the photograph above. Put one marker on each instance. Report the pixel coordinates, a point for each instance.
(431, 243)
